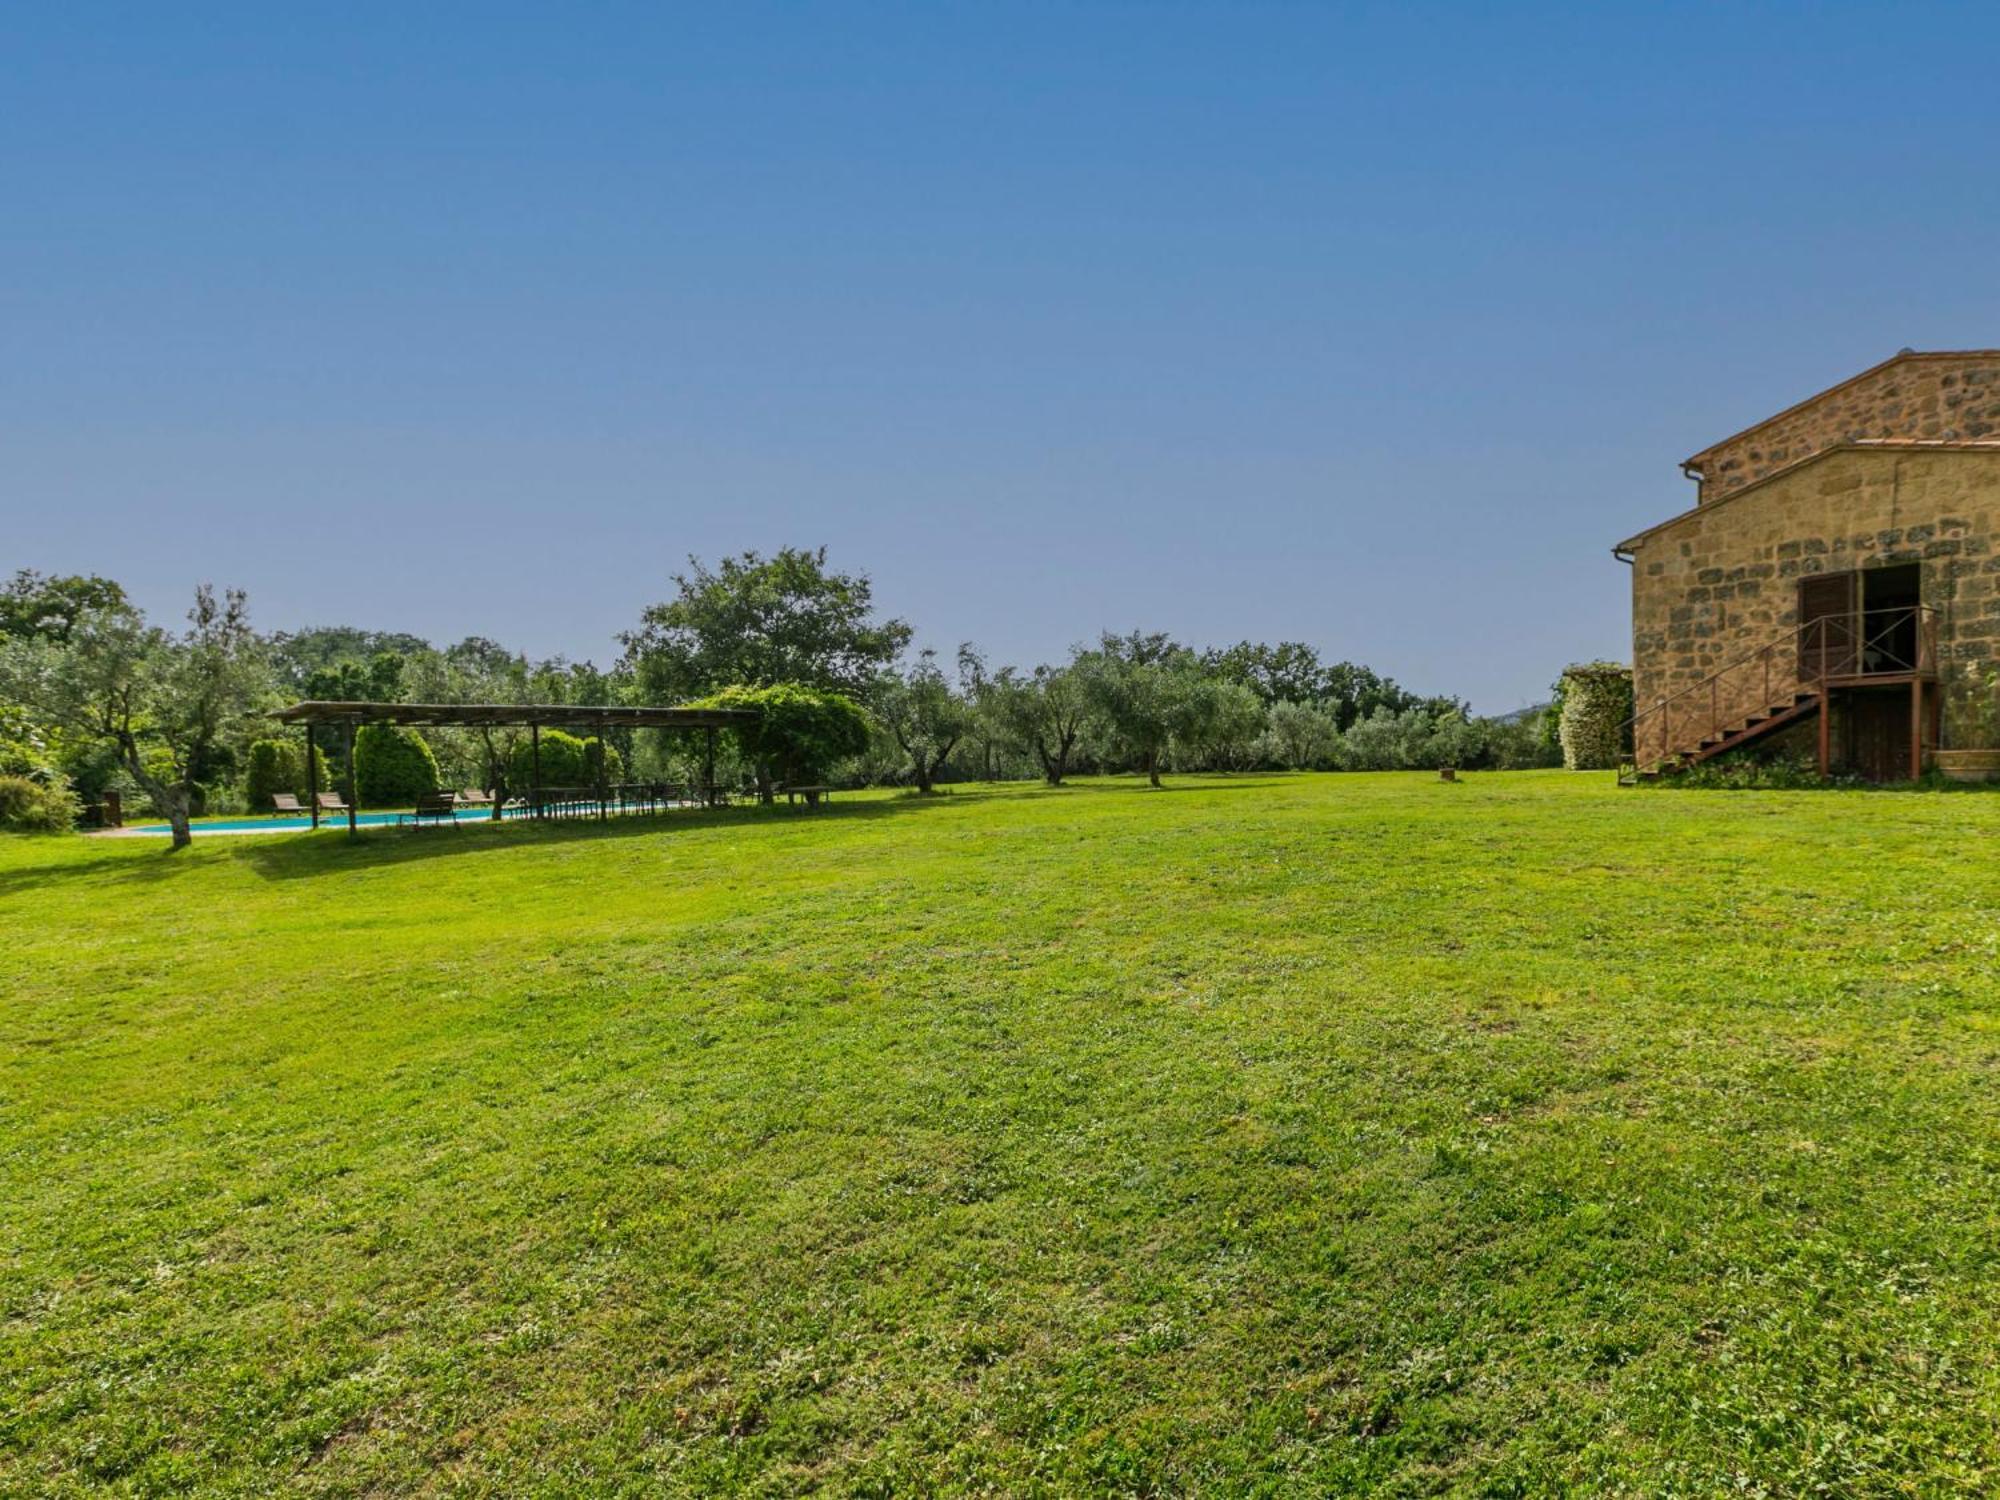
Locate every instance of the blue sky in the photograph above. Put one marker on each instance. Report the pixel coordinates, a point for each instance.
(1369, 326)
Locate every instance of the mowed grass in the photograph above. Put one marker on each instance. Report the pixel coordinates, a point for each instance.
(1277, 1135)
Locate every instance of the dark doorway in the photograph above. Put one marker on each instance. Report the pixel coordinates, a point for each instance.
(1874, 732)
(1889, 600)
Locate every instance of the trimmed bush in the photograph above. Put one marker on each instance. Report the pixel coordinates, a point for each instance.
(566, 761)
(274, 766)
(392, 765)
(29, 806)
(1596, 700)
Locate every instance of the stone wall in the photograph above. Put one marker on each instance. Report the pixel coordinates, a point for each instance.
(1722, 581)
(1940, 397)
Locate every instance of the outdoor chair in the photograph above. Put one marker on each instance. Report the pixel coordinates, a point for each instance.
(287, 802)
(472, 796)
(330, 802)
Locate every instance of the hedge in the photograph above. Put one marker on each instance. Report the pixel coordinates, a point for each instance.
(392, 765)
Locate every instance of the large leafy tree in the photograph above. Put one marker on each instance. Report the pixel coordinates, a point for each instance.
(924, 716)
(297, 656)
(757, 621)
(1289, 671)
(166, 702)
(34, 606)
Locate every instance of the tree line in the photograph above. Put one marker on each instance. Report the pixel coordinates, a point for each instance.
(95, 698)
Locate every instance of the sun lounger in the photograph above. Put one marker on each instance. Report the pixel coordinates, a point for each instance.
(330, 802)
(287, 802)
(472, 796)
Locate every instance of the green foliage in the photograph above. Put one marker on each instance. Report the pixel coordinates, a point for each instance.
(758, 621)
(799, 734)
(1301, 736)
(1517, 742)
(392, 766)
(1042, 713)
(379, 679)
(1593, 704)
(31, 806)
(567, 761)
(339, 656)
(34, 606)
(1221, 726)
(1291, 672)
(1144, 691)
(170, 705)
(1755, 768)
(919, 710)
(273, 766)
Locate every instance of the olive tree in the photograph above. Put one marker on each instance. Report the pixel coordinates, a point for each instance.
(1044, 713)
(165, 702)
(923, 715)
(1301, 735)
(1144, 690)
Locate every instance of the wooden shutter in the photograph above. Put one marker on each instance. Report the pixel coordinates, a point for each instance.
(1827, 641)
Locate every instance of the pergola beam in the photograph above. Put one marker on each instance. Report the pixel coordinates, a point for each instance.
(529, 715)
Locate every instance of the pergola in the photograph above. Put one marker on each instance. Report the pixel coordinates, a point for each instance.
(346, 717)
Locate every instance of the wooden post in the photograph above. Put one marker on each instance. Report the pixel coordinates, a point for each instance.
(603, 773)
(350, 777)
(1825, 726)
(535, 758)
(708, 768)
(1916, 728)
(312, 775)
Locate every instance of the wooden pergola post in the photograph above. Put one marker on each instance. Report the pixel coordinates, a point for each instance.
(351, 819)
(312, 775)
(603, 773)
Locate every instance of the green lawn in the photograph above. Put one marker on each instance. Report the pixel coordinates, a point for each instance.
(1322, 1134)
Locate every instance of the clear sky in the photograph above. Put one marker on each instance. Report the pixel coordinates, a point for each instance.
(1371, 326)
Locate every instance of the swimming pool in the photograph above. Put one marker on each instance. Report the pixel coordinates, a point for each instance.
(339, 820)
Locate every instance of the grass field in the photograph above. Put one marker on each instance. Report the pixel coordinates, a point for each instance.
(1324, 1134)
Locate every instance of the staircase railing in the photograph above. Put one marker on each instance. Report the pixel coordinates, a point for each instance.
(1898, 640)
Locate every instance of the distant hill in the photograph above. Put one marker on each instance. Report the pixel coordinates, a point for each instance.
(1533, 712)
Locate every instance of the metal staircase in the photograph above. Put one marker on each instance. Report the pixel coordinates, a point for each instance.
(1787, 679)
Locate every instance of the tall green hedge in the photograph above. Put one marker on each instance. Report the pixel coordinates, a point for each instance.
(273, 766)
(566, 761)
(1596, 701)
(392, 765)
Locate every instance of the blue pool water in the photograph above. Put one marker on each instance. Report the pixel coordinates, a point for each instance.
(327, 820)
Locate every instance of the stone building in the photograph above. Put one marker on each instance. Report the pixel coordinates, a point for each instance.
(1837, 581)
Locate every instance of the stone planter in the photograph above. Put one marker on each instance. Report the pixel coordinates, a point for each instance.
(1967, 765)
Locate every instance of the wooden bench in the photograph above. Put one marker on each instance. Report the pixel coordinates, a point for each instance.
(439, 807)
(812, 794)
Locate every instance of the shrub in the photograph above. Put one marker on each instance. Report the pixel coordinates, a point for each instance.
(1595, 701)
(566, 761)
(30, 806)
(274, 766)
(392, 765)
